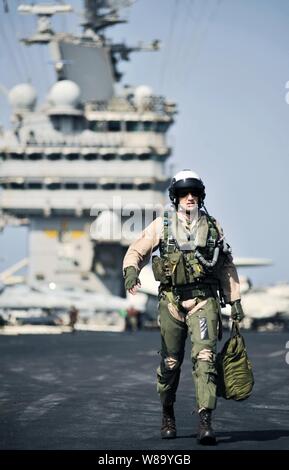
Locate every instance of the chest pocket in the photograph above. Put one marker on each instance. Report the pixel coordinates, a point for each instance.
(193, 268)
(170, 269)
(177, 268)
(158, 267)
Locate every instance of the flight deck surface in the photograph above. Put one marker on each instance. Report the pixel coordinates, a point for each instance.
(97, 391)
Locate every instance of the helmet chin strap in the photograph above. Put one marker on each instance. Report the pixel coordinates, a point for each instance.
(205, 209)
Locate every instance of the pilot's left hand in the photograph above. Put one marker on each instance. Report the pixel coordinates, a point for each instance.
(237, 313)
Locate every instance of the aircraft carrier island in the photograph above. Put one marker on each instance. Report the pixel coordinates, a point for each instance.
(72, 167)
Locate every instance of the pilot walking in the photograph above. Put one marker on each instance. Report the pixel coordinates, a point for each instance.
(196, 273)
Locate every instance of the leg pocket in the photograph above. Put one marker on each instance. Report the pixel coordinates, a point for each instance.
(203, 327)
(207, 321)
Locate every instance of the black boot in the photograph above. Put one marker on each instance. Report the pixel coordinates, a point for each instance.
(206, 434)
(168, 429)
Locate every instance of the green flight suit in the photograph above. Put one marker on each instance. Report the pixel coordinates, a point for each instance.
(194, 264)
(202, 327)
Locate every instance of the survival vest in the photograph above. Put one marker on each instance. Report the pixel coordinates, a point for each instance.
(179, 266)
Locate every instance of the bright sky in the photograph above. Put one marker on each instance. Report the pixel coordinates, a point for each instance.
(226, 64)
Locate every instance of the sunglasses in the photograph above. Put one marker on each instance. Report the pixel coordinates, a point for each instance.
(184, 192)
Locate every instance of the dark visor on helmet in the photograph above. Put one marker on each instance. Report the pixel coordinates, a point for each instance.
(182, 192)
(191, 185)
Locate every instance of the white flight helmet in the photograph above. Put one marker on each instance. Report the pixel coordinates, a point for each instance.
(187, 179)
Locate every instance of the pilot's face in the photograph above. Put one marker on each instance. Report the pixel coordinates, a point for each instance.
(187, 200)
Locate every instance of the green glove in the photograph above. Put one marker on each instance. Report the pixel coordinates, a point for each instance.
(237, 313)
(130, 277)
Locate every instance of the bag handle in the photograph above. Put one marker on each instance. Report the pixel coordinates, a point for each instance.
(235, 331)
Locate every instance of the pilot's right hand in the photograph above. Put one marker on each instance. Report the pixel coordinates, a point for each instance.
(131, 280)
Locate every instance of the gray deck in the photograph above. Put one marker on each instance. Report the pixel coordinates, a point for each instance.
(97, 391)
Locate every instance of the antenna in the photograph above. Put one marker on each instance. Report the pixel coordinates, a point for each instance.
(44, 13)
(100, 14)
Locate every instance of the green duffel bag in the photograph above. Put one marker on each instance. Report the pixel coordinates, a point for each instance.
(235, 375)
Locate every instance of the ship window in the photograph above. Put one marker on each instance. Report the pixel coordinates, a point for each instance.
(34, 156)
(161, 126)
(148, 126)
(114, 126)
(144, 156)
(133, 126)
(54, 156)
(78, 123)
(127, 156)
(4, 185)
(108, 186)
(53, 186)
(15, 185)
(144, 186)
(34, 185)
(56, 122)
(71, 185)
(72, 156)
(90, 156)
(108, 156)
(98, 126)
(17, 156)
(2, 156)
(89, 185)
(126, 186)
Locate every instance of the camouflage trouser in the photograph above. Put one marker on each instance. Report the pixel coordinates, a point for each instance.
(201, 320)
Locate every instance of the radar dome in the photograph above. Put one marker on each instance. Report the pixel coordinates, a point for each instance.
(142, 95)
(23, 97)
(65, 93)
